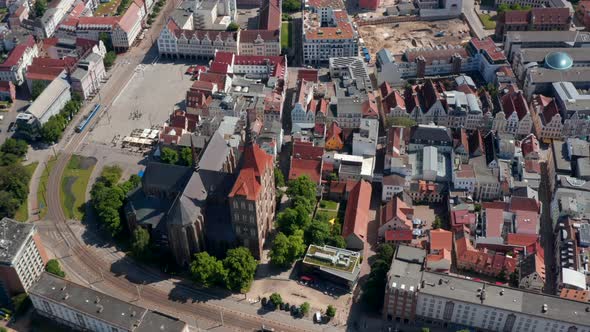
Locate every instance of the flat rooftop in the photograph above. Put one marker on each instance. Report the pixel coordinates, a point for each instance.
(341, 262)
(103, 307)
(505, 298)
(13, 235)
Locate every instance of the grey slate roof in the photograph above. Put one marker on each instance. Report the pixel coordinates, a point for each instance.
(516, 300)
(215, 153)
(422, 133)
(166, 177)
(13, 235)
(114, 311)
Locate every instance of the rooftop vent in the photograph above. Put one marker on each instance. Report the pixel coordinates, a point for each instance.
(544, 308)
(99, 308)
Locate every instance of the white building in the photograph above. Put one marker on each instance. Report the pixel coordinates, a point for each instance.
(22, 258)
(85, 309)
(15, 65)
(574, 108)
(327, 31)
(49, 103)
(392, 184)
(86, 79)
(364, 143)
(175, 42)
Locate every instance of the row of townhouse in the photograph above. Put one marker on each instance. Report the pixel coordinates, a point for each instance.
(123, 30)
(180, 37)
(462, 107)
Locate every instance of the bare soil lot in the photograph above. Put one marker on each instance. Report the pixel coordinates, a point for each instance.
(401, 36)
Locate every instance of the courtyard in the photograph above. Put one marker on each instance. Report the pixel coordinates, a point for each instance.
(147, 101)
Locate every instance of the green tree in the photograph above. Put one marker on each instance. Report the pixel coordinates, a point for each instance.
(304, 308)
(186, 156)
(240, 266)
(303, 203)
(8, 204)
(279, 254)
(8, 159)
(14, 179)
(425, 329)
(105, 37)
(279, 178)
(140, 242)
(169, 156)
(333, 177)
(37, 89)
(15, 146)
(290, 6)
(317, 233)
(336, 241)
(233, 26)
(40, 7)
(503, 8)
(276, 299)
(385, 252)
(374, 288)
(286, 250)
(207, 270)
(109, 59)
(52, 130)
(111, 175)
(302, 186)
(292, 219)
(437, 223)
(53, 267)
(330, 311)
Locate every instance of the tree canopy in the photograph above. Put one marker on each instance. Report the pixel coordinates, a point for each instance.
(140, 242)
(240, 266)
(233, 26)
(40, 7)
(169, 156)
(330, 311)
(302, 186)
(186, 156)
(304, 308)
(286, 250)
(37, 88)
(207, 270)
(290, 6)
(279, 178)
(15, 146)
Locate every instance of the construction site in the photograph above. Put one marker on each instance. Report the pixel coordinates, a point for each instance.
(397, 37)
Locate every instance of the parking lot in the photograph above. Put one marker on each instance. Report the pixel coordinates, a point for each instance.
(146, 101)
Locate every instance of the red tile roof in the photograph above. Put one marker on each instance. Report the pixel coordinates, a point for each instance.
(524, 240)
(494, 222)
(6, 86)
(306, 151)
(488, 46)
(270, 15)
(310, 75)
(17, 53)
(397, 208)
(42, 73)
(462, 217)
(516, 17)
(526, 222)
(130, 17)
(356, 217)
(524, 204)
(441, 239)
(98, 20)
(399, 235)
(529, 145)
(573, 294)
(550, 16)
(249, 36)
(514, 101)
(256, 162)
(218, 79)
(311, 168)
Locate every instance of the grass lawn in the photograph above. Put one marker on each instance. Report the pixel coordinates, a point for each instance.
(331, 214)
(73, 186)
(42, 186)
(286, 35)
(107, 8)
(328, 205)
(22, 214)
(489, 23)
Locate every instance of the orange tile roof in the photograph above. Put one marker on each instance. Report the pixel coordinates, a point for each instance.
(576, 295)
(356, 217)
(256, 161)
(441, 239)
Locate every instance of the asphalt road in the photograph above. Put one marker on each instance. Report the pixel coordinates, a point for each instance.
(89, 263)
